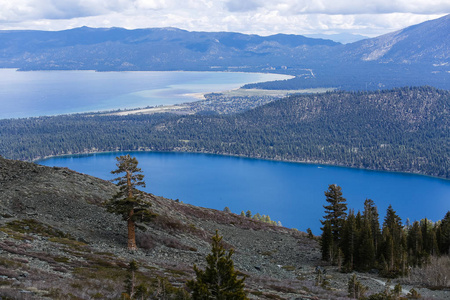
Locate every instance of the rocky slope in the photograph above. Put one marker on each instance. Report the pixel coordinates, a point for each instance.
(58, 242)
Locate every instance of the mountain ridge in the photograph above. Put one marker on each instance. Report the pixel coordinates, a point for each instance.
(416, 55)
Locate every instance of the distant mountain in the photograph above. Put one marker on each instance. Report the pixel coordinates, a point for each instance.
(148, 49)
(417, 55)
(344, 38)
(425, 43)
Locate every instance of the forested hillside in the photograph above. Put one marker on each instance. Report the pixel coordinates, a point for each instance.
(400, 130)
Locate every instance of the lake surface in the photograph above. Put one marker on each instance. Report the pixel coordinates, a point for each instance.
(44, 93)
(288, 192)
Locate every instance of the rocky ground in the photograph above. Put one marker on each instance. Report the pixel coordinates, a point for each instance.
(58, 242)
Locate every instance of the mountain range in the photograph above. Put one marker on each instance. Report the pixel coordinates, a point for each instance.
(417, 55)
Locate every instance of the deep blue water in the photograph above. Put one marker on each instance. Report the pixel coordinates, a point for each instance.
(44, 93)
(289, 192)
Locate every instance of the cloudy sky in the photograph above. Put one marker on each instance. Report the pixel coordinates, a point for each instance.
(263, 17)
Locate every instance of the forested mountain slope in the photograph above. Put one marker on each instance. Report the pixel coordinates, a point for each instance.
(404, 129)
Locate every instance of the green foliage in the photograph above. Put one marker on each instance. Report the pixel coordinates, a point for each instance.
(219, 280)
(443, 234)
(137, 286)
(326, 242)
(355, 289)
(389, 294)
(335, 211)
(360, 245)
(310, 234)
(334, 220)
(364, 130)
(259, 217)
(28, 226)
(130, 281)
(128, 201)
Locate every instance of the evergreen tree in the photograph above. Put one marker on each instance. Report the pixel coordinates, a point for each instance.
(415, 244)
(394, 242)
(219, 280)
(444, 234)
(326, 242)
(128, 201)
(130, 281)
(349, 241)
(335, 212)
(366, 249)
(356, 290)
(370, 215)
(248, 214)
(310, 234)
(394, 223)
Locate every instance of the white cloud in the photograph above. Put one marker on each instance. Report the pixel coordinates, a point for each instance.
(264, 17)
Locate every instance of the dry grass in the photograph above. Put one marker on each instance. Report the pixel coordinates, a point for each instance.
(148, 241)
(435, 275)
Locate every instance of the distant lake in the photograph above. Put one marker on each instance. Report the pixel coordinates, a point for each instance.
(44, 93)
(292, 193)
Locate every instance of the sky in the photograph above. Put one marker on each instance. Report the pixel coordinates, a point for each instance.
(263, 17)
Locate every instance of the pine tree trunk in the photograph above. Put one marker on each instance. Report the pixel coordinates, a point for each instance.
(131, 232)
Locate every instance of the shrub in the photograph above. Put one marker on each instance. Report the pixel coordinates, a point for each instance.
(436, 274)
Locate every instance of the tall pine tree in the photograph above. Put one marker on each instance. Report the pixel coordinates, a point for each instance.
(335, 211)
(128, 201)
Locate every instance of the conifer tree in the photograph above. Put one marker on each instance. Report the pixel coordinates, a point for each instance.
(349, 241)
(370, 215)
(356, 290)
(128, 201)
(335, 212)
(130, 281)
(415, 243)
(366, 249)
(219, 280)
(326, 242)
(394, 242)
(444, 234)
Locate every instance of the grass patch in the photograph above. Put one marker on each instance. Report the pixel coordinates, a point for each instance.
(15, 235)
(72, 243)
(257, 293)
(61, 259)
(272, 296)
(9, 263)
(288, 268)
(176, 273)
(98, 272)
(31, 226)
(269, 253)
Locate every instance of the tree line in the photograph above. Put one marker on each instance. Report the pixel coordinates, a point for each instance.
(403, 129)
(357, 241)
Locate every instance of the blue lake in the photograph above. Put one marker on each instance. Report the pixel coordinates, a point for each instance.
(288, 192)
(44, 93)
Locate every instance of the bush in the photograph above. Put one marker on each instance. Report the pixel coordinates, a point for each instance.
(435, 275)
